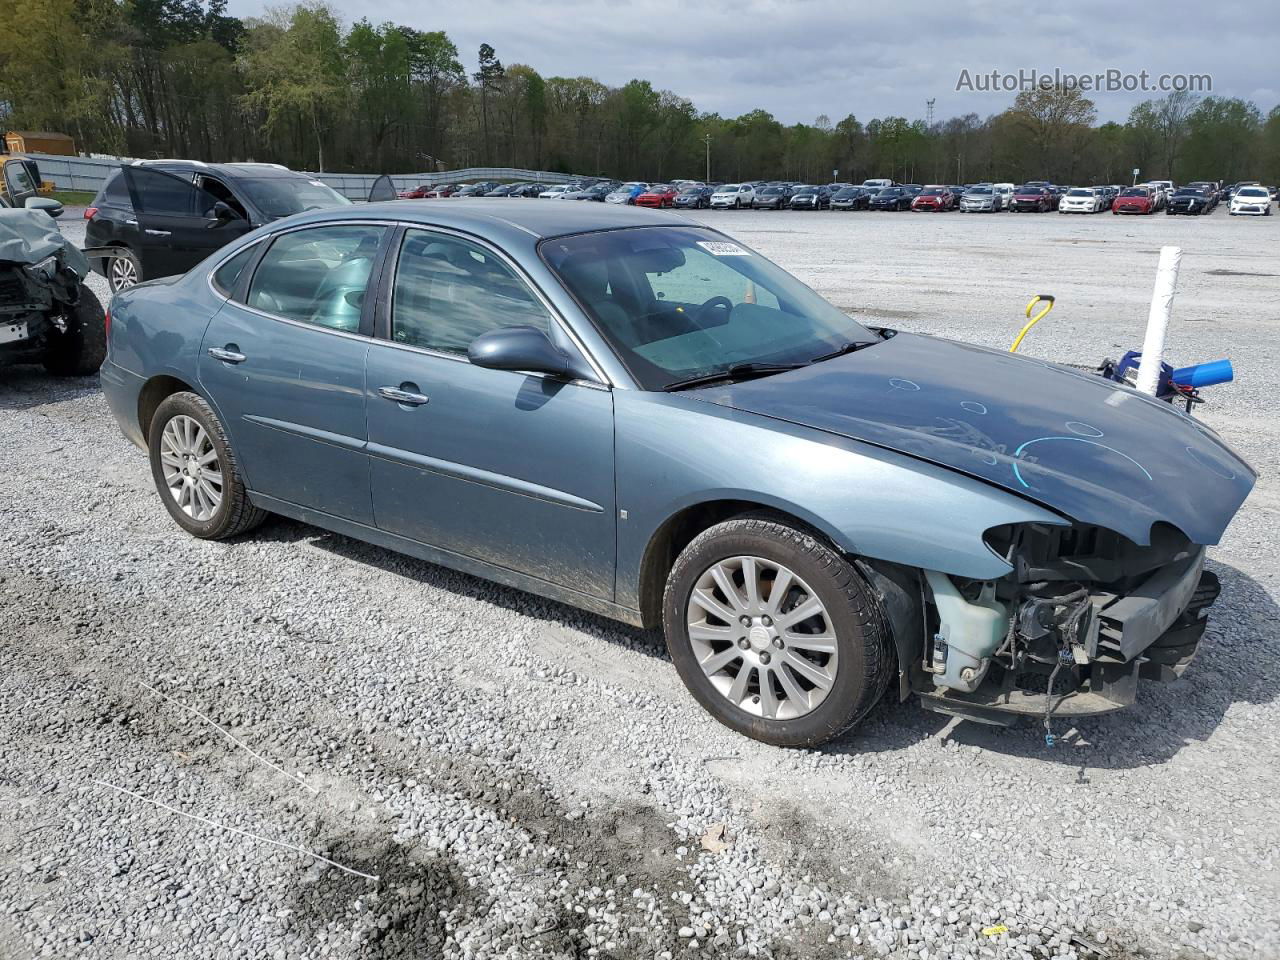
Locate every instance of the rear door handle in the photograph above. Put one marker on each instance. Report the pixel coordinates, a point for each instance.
(158, 233)
(226, 356)
(407, 397)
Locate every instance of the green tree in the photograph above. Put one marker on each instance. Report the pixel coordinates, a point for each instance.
(293, 60)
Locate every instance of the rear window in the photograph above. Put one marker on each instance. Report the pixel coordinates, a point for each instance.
(115, 193)
(227, 276)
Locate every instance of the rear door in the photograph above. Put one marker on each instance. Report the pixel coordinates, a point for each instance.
(283, 362)
(177, 226)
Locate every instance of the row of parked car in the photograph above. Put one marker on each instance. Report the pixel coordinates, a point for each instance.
(1036, 196)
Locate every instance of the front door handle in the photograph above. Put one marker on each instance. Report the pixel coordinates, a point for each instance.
(158, 233)
(407, 397)
(226, 356)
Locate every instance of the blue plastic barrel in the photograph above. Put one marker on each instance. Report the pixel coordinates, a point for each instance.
(1204, 374)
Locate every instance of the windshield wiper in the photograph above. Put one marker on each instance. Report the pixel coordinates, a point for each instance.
(738, 371)
(850, 347)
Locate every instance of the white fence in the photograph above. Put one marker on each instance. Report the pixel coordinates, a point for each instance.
(89, 174)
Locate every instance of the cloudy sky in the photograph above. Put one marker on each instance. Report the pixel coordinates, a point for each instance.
(809, 57)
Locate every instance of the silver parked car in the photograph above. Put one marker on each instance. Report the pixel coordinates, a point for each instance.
(641, 417)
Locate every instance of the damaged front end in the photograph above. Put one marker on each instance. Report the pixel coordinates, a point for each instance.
(36, 300)
(1085, 614)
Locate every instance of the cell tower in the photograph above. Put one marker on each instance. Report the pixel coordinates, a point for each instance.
(929, 115)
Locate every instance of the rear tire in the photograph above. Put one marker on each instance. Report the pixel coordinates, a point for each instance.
(123, 270)
(843, 650)
(79, 351)
(188, 447)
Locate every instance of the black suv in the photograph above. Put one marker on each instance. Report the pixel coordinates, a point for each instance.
(157, 218)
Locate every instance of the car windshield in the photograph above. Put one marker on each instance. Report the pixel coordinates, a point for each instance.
(1034, 190)
(848, 192)
(1079, 192)
(1187, 192)
(933, 192)
(771, 191)
(979, 192)
(280, 197)
(728, 188)
(682, 302)
(1252, 192)
(1134, 192)
(889, 192)
(660, 188)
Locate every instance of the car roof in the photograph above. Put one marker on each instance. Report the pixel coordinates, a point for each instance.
(256, 171)
(532, 220)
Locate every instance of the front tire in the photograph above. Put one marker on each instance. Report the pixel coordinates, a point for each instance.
(775, 633)
(195, 471)
(79, 351)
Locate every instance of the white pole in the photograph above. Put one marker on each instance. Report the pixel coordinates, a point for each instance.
(1158, 319)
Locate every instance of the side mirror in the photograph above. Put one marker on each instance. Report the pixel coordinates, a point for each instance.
(520, 348)
(50, 206)
(222, 213)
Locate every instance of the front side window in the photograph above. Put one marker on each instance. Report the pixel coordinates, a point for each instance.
(448, 291)
(681, 302)
(319, 275)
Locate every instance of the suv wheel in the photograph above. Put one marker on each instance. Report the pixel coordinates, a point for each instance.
(80, 350)
(195, 471)
(775, 633)
(123, 271)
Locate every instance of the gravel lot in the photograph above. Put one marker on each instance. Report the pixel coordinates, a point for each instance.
(529, 781)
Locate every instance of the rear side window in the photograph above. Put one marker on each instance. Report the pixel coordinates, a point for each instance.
(227, 276)
(449, 291)
(116, 192)
(318, 276)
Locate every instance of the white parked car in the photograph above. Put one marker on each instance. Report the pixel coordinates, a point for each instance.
(877, 184)
(555, 193)
(1006, 193)
(733, 196)
(1081, 200)
(1251, 201)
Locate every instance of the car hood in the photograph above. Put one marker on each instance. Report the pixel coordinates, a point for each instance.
(29, 236)
(1088, 448)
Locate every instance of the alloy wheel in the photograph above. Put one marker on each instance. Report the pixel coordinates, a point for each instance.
(123, 274)
(762, 637)
(191, 469)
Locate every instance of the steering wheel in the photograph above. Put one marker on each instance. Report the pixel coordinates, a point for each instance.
(722, 302)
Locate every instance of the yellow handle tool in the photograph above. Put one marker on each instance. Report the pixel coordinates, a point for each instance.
(1047, 300)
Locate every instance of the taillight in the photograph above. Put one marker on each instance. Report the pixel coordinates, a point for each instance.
(90, 212)
(106, 322)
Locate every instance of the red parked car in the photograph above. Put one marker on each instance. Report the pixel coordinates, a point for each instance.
(445, 190)
(417, 193)
(1134, 200)
(658, 195)
(1029, 198)
(935, 199)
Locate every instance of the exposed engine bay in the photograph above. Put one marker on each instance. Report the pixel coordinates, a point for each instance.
(36, 302)
(1085, 614)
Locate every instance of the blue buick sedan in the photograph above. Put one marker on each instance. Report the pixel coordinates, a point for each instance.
(632, 413)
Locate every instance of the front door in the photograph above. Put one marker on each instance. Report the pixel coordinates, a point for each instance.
(177, 227)
(283, 362)
(19, 182)
(510, 468)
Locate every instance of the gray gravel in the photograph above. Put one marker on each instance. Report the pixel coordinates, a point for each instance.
(530, 781)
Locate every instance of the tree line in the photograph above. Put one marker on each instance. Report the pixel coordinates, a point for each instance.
(182, 78)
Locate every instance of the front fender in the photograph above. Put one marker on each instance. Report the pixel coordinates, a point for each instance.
(674, 452)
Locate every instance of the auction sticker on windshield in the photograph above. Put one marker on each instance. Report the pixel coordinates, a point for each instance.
(722, 248)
